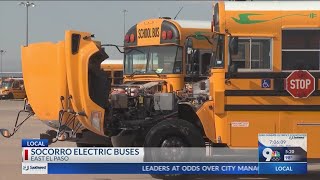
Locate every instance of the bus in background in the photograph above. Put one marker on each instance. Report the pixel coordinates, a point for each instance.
(154, 51)
(12, 88)
(114, 69)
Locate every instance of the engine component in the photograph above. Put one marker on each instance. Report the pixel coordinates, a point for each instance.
(164, 101)
(119, 101)
(200, 88)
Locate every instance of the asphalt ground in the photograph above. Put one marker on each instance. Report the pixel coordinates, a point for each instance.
(10, 154)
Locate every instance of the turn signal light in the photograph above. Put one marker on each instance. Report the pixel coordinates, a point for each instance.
(169, 34)
(126, 38)
(164, 35)
(132, 38)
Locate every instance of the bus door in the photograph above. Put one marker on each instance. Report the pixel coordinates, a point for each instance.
(246, 96)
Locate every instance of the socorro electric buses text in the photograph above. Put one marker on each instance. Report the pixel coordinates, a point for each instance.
(249, 90)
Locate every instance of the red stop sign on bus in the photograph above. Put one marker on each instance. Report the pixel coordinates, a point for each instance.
(300, 84)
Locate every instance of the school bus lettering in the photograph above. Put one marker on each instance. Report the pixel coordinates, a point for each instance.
(148, 33)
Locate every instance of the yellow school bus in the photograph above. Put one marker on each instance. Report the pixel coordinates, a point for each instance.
(12, 88)
(114, 69)
(154, 51)
(249, 94)
(256, 45)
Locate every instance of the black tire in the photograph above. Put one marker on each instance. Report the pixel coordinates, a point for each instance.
(176, 127)
(52, 133)
(168, 129)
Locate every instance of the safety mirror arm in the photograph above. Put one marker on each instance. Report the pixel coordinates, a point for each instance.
(113, 45)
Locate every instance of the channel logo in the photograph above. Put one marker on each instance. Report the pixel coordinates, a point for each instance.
(34, 168)
(25, 168)
(271, 155)
(296, 137)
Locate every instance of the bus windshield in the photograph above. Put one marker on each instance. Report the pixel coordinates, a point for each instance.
(6, 84)
(153, 59)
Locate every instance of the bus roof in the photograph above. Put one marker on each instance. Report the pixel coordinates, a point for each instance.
(10, 78)
(272, 6)
(194, 24)
(112, 61)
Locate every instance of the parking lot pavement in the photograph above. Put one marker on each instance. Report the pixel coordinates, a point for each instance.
(10, 153)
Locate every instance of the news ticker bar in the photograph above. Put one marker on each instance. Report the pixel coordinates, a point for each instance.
(164, 168)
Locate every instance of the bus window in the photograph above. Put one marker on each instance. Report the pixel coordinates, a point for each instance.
(108, 74)
(148, 60)
(253, 54)
(300, 49)
(15, 85)
(135, 60)
(117, 77)
(164, 58)
(118, 74)
(205, 62)
(178, 63)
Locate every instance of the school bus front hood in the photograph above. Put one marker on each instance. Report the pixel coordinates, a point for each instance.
(45, 79)
(62, 69)
(87, 83)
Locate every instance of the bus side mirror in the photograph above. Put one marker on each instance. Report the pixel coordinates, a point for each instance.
(189, 51)
(233, 45)
(189, 45)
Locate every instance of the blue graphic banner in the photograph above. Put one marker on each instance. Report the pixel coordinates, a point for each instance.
(176, 168)
(34, 142)
(152, 168)
(282, 168)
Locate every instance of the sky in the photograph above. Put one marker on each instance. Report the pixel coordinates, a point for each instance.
(49, 19)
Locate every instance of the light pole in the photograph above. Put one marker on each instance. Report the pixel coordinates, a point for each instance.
(1, 54)
(124, 21)
(27, 5)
